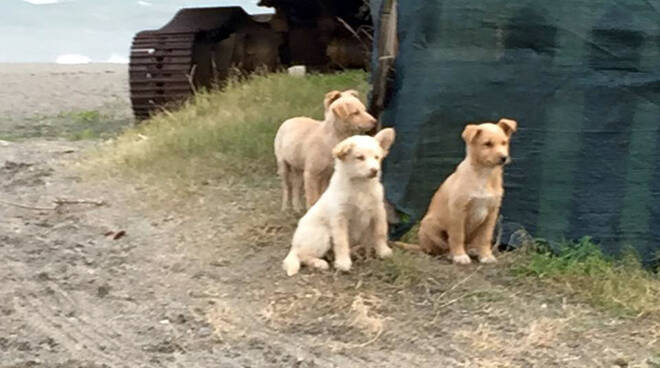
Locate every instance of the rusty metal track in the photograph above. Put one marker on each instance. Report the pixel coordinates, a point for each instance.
(161, 61)
(159, 67)
(199, 46)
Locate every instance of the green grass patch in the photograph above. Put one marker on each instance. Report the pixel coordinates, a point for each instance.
(412, 236)
(618, 284)
(86, 124)
(72, 125)
(7, 137)
(82, 117)
(231, 129)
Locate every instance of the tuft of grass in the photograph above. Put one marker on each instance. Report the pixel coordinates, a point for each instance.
(412, 235)
(231, 129)
(7, 137)
(105, 122)
(82, 117)
(654, 361)
(621, 285)
(84, 124)
(405, 269)
(85, 134)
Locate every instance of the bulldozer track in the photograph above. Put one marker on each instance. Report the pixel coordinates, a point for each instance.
(158, 69)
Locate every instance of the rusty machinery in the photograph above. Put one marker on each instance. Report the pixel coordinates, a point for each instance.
(200, 46)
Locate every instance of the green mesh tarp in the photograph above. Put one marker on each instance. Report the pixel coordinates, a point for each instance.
(581, 77)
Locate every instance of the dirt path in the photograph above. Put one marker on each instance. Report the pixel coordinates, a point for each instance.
(74, 296)
(106, 279)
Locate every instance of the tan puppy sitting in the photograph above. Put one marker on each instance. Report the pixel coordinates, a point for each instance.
(350, 212)
(303, 146)
(464, 210)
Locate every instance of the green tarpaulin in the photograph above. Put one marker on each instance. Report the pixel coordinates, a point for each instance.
(582, 78)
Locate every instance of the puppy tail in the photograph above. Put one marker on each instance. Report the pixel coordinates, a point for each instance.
(407, 246)
(291, 264)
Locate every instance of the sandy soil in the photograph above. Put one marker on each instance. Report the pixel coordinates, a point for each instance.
(43, 100)
(94, 276)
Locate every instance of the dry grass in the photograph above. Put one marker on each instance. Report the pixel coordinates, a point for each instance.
(619, 285)
(490, 348)
(406, 269)
(366, 319)
(228, 132)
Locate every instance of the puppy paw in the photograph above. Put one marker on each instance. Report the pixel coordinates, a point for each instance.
(343, 264)
(383, 251)
(488, 259)
(461, 259)
(291, 268)
(320, 264)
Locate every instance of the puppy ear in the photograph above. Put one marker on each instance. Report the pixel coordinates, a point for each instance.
(508, 126)
(470, 133)
(385, 138)
(330, 97)
(342, 149)
(341, 110)
(352, 92)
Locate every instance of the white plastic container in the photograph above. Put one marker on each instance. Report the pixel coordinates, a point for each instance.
(297, 71)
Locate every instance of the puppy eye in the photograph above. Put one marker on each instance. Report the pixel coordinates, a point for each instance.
(504, 143)
(377, 157)
(360, 157)
(488, 144)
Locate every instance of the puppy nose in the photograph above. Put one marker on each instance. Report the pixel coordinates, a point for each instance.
(504, 159)
(373, 172)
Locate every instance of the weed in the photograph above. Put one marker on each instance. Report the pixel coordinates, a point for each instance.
(7, 137)
(82, 117)
(654, 361)
(86, 133)
(88, 117)
(412, 235)
(621, 285)
(405, 269)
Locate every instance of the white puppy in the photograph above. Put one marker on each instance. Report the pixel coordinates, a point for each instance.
(351, 211)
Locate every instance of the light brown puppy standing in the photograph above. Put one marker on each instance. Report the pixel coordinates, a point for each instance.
(303, 146)
(464, 210)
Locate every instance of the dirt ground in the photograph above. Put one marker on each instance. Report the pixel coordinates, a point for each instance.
(93, 275)
(51, 100)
